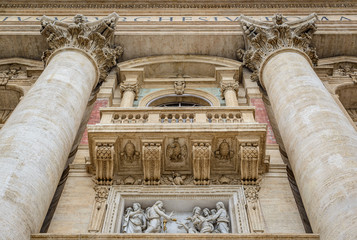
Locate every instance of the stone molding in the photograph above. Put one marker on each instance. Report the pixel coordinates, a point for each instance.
(265, 39)
(90, 37)
(180, 4)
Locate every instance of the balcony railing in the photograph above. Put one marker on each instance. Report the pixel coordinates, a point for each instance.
(169, 115)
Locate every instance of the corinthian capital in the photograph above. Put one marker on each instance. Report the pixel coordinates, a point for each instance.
(264, 38)
(133, 87)
(229, 86)
(91, 37)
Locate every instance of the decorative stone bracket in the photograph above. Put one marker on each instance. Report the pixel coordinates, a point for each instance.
(201, 151)
(104, 160)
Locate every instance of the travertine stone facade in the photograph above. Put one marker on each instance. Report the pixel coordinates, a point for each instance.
(211, 105)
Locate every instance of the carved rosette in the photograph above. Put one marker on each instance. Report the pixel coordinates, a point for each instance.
(263, 39)
(152, 163)
(225, 86)
(201, 152)
(104, 163)
(132, 87)
(91, 37)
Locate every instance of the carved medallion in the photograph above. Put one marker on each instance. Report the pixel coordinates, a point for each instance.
(224, 151)
(176, 152)
(129, 153)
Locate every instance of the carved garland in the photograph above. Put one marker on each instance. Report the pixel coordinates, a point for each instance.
(263, 39)
(93, 38)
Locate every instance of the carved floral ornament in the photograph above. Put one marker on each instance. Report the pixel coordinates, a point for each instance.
(264, 38)
(91, 37)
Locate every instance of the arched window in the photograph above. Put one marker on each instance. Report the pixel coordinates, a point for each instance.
(185, 100)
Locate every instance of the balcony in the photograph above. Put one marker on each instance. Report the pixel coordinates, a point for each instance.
(208, 145)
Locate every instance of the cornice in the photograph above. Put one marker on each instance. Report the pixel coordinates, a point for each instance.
(178, 5)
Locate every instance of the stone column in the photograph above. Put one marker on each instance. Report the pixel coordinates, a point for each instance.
(320, 141)
(130, 87)
(37, 138)
(129, 92)
(229, 92)
(229, 85)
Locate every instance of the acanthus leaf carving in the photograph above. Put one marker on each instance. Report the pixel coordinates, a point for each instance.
(225, 86)
(128, 86)
(263, 39)
(91, 37)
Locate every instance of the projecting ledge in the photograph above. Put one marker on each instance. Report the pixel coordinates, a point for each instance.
(175, 236)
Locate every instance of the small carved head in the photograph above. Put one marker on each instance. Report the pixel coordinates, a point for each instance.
(196, 210)
(160, 204)
(79, 18)
(278, 19)
(220, 205)
(136, 206)
(206, 212)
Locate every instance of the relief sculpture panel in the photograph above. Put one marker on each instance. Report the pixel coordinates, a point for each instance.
(176, 156)
(224, 159)
(129, 157)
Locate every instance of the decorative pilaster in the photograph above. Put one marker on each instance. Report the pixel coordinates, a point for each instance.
(256, 222)
(99, 209)
(263, 39)
(92, 38)
(201, 156)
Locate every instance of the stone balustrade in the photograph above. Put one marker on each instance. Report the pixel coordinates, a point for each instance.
(177, 116)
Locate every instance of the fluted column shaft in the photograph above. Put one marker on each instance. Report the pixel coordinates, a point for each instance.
(37, 138)
(319, 140)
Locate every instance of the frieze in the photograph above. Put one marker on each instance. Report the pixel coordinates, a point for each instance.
(186, 5)
(175, 18)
